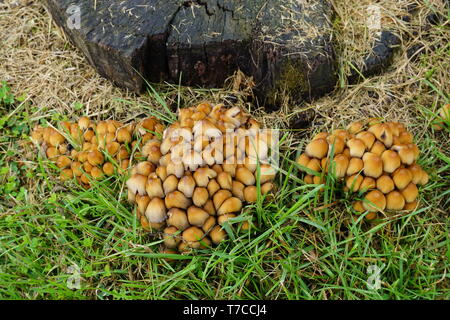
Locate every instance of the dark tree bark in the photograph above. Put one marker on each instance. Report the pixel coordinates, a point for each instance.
(284, 44)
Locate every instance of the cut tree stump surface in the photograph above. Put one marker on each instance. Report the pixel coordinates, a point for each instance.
(284, 44)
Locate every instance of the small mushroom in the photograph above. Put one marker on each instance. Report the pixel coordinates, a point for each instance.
(402, 177)
(410, 192)
(209, 224)
(170, 184)
(405, 153)
(355, 165)
(177, 199)
(197, 216)
(317, 148)
(367, 137)
(353, 182)
(187, 186)
(314, 164)
(225, 180)
(245, 176)
(154, 187)
(373, 165)
(192, 236)
(303, 160)
(177, 218)
(156, 211)
(341, 163)
(374, 201)
(230, 205)
(411, 205)
(136, 184)
(395, 201)
(383, 133)
(203, 175)
(391, 161)
(63, 162)
(108, 168)
(217, 234)
(378, 148)
(95, 158)
(385, 184)
(250, 194)
(200, 196)
(357, 147)
(220, 196)
(367, 184)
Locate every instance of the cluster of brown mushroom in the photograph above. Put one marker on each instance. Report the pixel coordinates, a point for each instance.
(376, 159)
(199, 178)
(88, 150)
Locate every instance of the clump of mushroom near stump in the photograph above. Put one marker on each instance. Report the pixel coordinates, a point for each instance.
(209, 164)
(374, 159)
(89, 150)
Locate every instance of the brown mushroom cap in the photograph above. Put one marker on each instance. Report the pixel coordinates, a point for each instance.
(355, 165)
(197, 216)
(314, 165)
(200, 196)
(385, 184)
(353, 182)
(411, 205)
(402, 177)
(367, 184)
(336, 143)
(171, 240)
(66, 174)
(341, 164)
(378, 148)
(245, 176)
(405, 153)
(177, 218)
(220, 196)
(170, 184)
(217, 234)
(156, 211)
(192, 235)
(317, 148)
(383, 133)
(358, 206)
(63, 162)
(225, 180)
(391, 161)
(95, 157)
(355, 127)
(367, 137)
(374, 201)
(416, 172)
(230, 205)
(177, 199)
(373, 165)
(154, 187)
(136, 184)
(250, 194)
(395, 201)
(410, 192)
(357, 147)
(108, 168)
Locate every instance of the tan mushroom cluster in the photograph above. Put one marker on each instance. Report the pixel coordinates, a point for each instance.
(90, 150)
(374, 159)
(208, 166)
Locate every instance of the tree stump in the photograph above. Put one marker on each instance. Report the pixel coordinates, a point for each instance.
(284, 44)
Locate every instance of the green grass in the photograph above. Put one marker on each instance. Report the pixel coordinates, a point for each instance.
(299, 248)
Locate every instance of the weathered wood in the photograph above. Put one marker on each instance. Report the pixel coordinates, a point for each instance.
(284, 44)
